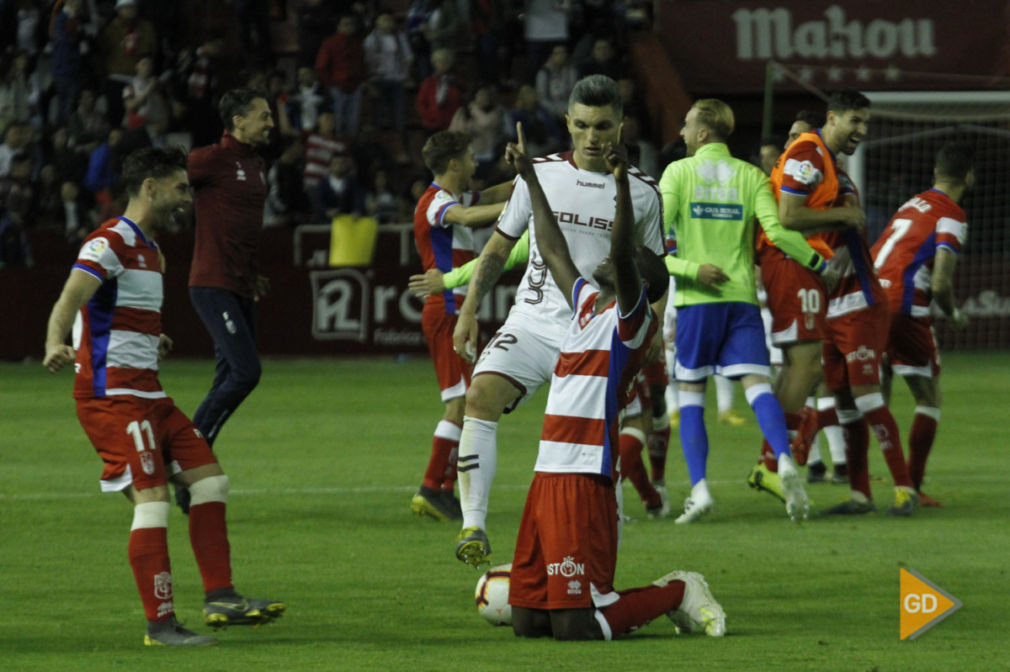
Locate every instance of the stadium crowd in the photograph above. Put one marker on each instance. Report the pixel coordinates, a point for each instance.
(85, 82)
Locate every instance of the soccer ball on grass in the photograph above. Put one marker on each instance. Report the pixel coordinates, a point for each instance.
(492, 595)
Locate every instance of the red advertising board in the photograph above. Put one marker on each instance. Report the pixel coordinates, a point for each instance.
(725, 45)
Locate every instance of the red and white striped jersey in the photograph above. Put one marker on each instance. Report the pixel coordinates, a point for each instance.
(584, 203)
(116, 333)
(443, 245)
(600, 356)
(319, 150)
(905, 251)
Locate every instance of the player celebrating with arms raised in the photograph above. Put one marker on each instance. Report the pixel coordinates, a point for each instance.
(113, 296)
(521, 356)
(566, 552)
(915, 259)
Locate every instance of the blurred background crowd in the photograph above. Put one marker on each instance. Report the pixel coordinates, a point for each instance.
(355, 88)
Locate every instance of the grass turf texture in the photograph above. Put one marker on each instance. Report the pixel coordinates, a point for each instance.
(323, 460)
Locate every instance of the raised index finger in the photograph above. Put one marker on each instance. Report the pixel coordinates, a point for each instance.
(521, 136)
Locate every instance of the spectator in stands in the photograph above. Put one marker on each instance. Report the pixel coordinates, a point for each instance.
(341, 67)
(286, 202)
(633, 106)
(320, 147)
(388, 57)
(414, 27)
(485, 121)
(308, 101)
(316, 21)
(604, 61)
(545, 25)
(194, 84)
(14, 247)
(17, 180)
(47, 208)
(445, 24)
(487, 22)
(123, 42)
(67, 33)
(19, 90)
(439, 96)
(340, 193)
(381, 202)
(17, 140)
(252, 20)
(142, 99)
(70, 163)
(641, 152)
(542, 130)
(555, 81)
(78, 221)
(103, 167)
(88, 127)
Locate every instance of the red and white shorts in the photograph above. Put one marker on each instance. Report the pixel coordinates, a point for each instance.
(911, 347)
(566, 551)
(796, 300)
(854, 346)
(141, 441)
(452, 372)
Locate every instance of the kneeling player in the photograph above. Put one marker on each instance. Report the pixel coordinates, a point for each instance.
(566, 552)
(115, 292)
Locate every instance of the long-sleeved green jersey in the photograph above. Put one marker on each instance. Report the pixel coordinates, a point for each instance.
(710, 203)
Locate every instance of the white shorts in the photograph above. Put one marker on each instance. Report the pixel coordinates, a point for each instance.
(524, 351)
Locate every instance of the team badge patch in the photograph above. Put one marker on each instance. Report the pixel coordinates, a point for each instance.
(803, 172)
(147, 462)
(163, 586)
(93, 250)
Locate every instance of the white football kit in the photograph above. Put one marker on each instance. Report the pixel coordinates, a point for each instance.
(525, 349)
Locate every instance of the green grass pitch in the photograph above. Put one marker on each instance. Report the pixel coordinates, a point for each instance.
(323, 459)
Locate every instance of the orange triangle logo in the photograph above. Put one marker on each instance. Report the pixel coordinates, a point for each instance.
(923, 603)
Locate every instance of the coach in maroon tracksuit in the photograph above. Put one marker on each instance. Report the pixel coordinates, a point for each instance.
(229, 180)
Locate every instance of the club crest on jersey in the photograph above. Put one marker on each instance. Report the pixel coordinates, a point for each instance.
(163, 586)
(147, 462)
(239, 172)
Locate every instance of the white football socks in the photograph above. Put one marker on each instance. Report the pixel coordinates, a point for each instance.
(475, 466)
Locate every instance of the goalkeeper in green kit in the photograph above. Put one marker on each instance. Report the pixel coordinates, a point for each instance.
(711, 201)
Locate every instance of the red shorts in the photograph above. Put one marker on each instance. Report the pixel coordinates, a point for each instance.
(912, 348)
(854, 346)
(796, 300)
(566, 551)
(452, 372)
(141, 440)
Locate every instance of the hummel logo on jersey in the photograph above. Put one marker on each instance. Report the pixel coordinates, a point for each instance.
(594, 185)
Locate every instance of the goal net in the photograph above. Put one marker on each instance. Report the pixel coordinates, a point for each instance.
(895, 162)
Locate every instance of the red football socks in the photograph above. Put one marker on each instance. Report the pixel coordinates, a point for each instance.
(208, 534)
(438, 465)
(639, 606)
(632, 468)
(659, 445)
(148, 551)
(857, 443)
(885, 429)
(920, 442)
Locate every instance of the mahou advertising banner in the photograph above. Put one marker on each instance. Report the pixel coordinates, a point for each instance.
(719, 45)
